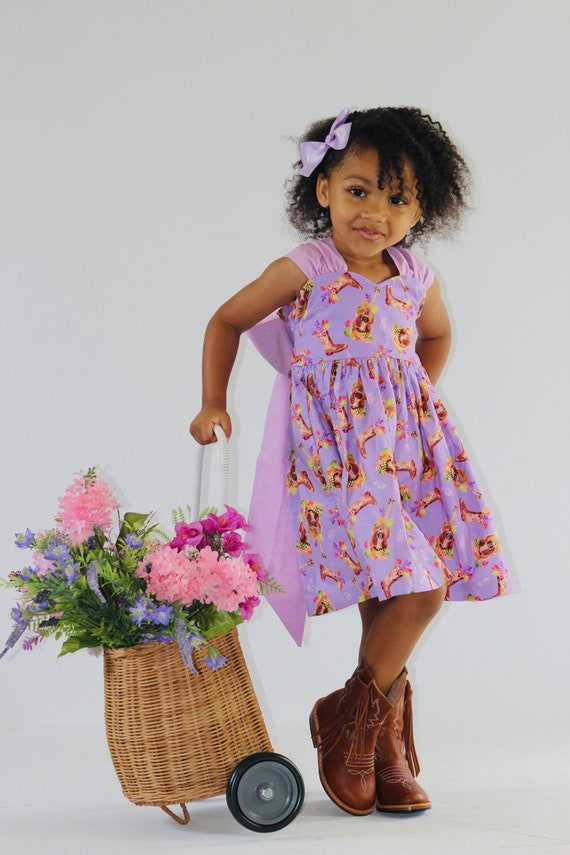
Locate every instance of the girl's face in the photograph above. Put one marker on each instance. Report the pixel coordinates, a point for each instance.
(366, 219)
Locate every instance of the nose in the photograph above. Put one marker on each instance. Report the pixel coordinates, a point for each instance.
(376, 208)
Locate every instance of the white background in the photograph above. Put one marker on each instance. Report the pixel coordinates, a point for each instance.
(144, 146)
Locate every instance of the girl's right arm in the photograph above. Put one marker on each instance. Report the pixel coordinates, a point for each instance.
(277, 286)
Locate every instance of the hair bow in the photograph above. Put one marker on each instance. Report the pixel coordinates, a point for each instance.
(312, 153)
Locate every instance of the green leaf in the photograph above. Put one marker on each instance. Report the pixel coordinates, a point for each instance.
(74, 643)
(219, 623)
(135, 521)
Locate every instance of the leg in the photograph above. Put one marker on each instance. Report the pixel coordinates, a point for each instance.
(390, 631)
(392, 628)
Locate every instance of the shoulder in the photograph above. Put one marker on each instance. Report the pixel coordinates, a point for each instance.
(317, 257)
(412, 266)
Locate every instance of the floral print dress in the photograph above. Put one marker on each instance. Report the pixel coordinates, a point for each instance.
(381, 493)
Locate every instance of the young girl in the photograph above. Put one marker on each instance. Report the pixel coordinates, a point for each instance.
(384, 509)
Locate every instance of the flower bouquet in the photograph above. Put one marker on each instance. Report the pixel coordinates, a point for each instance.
(98, 591)
(164, 609)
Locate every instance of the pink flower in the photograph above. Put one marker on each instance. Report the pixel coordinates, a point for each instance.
(87, 503)
(228, 521)
(206, 577)
(233, 543)
(246, 608)
(187, 534)
(170, 575)
(255, 563)
(43, 565)
(231, 520)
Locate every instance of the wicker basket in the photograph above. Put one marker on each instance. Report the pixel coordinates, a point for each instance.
(174, 736)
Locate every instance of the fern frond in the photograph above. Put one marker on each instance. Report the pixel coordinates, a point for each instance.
(271, 586)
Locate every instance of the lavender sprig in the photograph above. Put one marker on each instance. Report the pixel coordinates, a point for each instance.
(186, 644)
(92, 577)
(15, 635)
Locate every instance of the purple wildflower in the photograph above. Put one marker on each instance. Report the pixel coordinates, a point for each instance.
(57, 552)
(26, 574)
(17, 615)
(30, 643)
(24, 541)
(142, 610)
(72, 573)
(162, 615)
(160, 637)
(134, 541)
(215, 660)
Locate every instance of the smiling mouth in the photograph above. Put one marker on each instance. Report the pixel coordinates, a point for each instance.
(370, 234)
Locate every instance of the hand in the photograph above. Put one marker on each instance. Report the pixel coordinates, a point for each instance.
(202, 427)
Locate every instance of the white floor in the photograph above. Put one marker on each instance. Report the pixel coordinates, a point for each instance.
(59, 796)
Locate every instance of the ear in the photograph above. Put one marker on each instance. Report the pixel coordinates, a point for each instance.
(322, 190)
(417, 217)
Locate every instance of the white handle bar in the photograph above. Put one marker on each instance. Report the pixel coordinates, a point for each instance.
(224, 473)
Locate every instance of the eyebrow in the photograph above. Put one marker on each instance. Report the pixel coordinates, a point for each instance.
(405, 189)
(358, 178)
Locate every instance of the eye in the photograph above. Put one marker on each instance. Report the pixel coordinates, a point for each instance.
(359, 192)
(397, 200)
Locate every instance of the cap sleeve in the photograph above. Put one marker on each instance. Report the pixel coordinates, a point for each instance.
(316, 257)
(410, 265)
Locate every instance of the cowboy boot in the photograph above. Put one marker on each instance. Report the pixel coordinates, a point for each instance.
(344, 729)
(396, 761)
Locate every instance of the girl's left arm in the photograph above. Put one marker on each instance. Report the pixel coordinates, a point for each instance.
(434, 333)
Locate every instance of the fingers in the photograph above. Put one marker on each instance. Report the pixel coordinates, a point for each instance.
(202, 427)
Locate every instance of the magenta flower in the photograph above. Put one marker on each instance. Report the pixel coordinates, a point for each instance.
(232, 519)
(210, 525)
(233, 543)
(254, 562)
(246, 608)
(187, 534)
(228, 521)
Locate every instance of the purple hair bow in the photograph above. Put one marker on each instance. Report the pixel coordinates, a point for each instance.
(312, 153)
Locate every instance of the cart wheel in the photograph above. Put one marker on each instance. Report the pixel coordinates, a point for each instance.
(265, 792)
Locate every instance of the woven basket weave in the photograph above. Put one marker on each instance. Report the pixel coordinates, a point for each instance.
(174, 737)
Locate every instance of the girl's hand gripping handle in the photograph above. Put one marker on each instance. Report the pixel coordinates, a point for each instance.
(203, 426)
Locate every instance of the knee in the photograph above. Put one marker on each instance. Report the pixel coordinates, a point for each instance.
(424, 606)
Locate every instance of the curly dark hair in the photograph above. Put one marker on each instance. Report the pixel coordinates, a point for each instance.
(399, 135)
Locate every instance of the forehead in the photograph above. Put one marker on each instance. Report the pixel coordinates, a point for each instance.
(366, 164)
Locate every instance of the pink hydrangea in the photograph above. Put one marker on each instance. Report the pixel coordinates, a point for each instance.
(227, 582)
(87, 503)
(209, 578)
(170, 576)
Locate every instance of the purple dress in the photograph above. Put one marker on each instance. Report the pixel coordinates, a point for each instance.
(382, 497)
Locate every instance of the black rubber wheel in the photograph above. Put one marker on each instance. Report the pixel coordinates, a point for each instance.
(265, 792)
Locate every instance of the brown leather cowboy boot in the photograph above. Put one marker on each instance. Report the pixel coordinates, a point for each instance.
(396, 761)
(344, 728)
